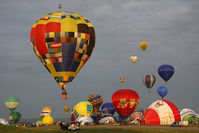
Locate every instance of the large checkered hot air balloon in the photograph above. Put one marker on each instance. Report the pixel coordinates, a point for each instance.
(63, 42)
(125, 102)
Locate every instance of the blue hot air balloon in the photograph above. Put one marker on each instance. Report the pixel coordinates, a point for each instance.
(166, 72)
(108, 108)
(162, 91)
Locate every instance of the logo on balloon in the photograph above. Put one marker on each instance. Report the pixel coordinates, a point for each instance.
(124, 103)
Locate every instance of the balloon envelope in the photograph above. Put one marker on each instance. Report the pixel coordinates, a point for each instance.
(83, 108)
(47, 110)
(96, 101)
(108, 108)
(12, 103)
(134, 58)
(66, 108)
(14, 117)
(161, 112)
(166, 72)
(149, 81)
(162, 91)
(48, 120)
(143, 45)
(125, 102)
(63, 42)
(122, 80)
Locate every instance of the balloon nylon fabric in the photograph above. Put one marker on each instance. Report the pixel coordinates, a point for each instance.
(63, 42)
(125, 101)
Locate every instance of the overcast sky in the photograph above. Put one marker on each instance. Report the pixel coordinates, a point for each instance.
(171, 27)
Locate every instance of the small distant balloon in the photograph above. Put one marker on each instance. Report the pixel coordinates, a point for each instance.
(166, 72)
(134, 58)
(162, 91)
(122, 80)
(66, 108)
(149, 81)
(143, 45)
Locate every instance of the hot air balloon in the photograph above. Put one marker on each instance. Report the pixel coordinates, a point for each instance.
(47, 110)
(162, 91)
(82, 108)
(122, 80)
(108, 108)
(161, 112)
(66, 108)
(134, 58)
(143, 45)
(96, 101)
(48, 120)
(63, 42)
(12, 103)
(14, 117)
(166, 72)
(125, 102)
(149, 81)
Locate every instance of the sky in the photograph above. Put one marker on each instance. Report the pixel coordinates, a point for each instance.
(171, 27)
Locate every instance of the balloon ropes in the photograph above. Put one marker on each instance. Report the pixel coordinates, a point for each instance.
(63, 42)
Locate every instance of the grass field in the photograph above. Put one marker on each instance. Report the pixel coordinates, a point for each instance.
(100, 129)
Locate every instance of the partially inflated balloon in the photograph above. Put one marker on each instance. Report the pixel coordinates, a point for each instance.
(48, 120)
(133, 58)
(63, 42)
(149, 81)
(108, 108)
(162, 91)
(96, 100)
(125, 102)
(83, 108)
(12, 103)
(143, 45)
(166, 72)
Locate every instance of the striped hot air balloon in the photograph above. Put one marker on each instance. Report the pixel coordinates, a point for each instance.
(149, 81)
(66, 108)
(161, 112)
(12, 103)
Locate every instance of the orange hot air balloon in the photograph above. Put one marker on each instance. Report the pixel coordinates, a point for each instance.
(143, 45)
(125, 102)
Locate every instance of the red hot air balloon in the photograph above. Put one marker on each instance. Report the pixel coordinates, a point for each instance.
(125, 102)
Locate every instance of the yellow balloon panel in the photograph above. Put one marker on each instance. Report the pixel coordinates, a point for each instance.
(48, 120)
(83, 108)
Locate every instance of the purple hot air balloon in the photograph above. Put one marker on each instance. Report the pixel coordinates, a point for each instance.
(149, 81)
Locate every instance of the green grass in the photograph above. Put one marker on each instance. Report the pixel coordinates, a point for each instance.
(94, 129)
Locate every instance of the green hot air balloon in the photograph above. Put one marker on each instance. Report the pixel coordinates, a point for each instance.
(12, 103)
(14, 117)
